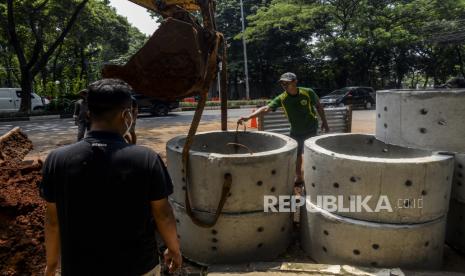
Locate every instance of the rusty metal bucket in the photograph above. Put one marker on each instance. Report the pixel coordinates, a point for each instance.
(171, 65)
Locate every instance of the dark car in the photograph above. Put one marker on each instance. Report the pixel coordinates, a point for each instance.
(356, 96)
(154, 106)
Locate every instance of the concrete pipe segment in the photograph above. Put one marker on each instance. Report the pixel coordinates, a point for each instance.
(333, 239)
(415, 184)
(235, 238)
(259, 163)
(428, 119)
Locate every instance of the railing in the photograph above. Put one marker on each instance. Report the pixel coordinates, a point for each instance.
(339, 120)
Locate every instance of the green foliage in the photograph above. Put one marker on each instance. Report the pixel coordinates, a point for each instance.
(327, 43)
(331, 44)
(98, 36)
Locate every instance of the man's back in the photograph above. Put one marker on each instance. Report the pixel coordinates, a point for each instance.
(102, 188)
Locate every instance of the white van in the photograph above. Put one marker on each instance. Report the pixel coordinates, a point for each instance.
(10, 100)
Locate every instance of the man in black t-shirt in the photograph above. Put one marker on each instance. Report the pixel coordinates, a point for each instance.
(105, 196)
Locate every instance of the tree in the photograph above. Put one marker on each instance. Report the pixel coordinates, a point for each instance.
(29, 25)
(381, 43)
(99, 36)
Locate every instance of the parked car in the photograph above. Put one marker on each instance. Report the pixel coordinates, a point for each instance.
(154, 106)
(10, 100)
(356, 96)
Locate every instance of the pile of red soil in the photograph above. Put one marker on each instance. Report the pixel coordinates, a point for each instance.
(22, 210)
(14, 146)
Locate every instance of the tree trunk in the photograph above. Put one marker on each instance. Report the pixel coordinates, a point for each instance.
(236, 87)
(44, 74)
(412, 81)
(26, 90)
(426, 81)
(9, 77)
(399, 81)
(55, 61)
(459, 55)
(342, 76)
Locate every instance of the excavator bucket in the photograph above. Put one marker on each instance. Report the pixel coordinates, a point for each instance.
(14, 146)
(171, 65)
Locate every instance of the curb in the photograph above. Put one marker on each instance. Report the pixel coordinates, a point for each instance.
(45, 117)
(14, 119)
(36, 118)
(209, 108)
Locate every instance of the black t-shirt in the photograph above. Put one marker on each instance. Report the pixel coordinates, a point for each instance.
(102, 187)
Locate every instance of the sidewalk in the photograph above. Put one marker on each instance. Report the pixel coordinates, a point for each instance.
(297, 269)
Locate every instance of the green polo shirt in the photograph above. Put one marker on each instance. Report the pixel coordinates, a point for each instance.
(300, 110)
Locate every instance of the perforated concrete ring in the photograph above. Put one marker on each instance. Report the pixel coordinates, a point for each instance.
(354, 167)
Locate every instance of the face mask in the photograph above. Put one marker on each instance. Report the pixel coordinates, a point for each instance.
(128, 125)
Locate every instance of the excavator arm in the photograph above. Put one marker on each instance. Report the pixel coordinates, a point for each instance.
(181, 59)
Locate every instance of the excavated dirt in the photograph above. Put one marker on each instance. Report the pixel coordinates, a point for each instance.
(14, 146)
(21, 219)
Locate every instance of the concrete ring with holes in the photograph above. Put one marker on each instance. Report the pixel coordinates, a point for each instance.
(429, 119)
(333, 239)
(398, 185)
(259, 163)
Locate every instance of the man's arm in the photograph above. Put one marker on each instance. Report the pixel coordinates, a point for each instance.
(52, 239)
(321, 112)
(263, 109)
(166, 225)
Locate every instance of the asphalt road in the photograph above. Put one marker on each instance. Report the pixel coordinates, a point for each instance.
(52, 133)
(66, 126)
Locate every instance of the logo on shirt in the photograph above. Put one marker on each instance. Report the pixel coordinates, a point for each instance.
(98, 145)
(303, 102)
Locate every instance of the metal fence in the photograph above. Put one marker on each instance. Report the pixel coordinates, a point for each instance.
(339, 120)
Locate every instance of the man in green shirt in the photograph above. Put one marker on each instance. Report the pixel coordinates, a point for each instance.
(301, 106)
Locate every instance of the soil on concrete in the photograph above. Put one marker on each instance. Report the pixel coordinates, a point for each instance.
(21, 219)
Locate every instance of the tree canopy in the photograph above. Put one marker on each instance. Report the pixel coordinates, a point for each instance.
(335, 43)
(56, 47)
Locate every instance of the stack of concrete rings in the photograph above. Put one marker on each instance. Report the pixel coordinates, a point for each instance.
(434, 120)
(391, 229)
(264, 164)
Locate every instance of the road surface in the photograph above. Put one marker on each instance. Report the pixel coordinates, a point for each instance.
(152, 131)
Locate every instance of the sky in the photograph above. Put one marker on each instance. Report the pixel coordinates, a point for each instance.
(136, 15)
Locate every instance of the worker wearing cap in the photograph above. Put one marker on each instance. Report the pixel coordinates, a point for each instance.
(105, 197)
(301, 106)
